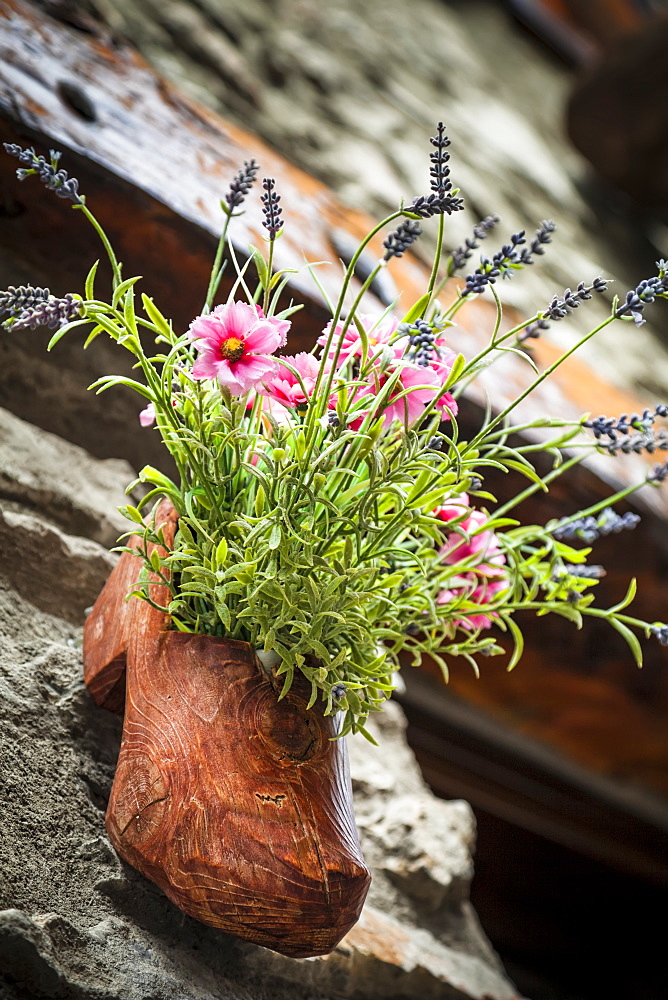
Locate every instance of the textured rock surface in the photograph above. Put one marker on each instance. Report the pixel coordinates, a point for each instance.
(41, 471)
(78, 923)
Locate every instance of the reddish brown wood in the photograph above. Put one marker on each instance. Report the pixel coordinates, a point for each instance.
(237, 805)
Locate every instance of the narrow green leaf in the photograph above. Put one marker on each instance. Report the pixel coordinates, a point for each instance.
(260, 265)
(156, 317)
(518, 639)
(417, 310)
(628, 597)
(90, 281)
(631, 639)
(275, 536)
(107, 381)
(458, 366)
(131, 513)
(122, 290)
(528, 471)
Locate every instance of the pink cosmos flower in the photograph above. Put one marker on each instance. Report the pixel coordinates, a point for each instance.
(483, 545)
(477, 590)
(423, 380)
(235, 342)
(448, 404)
(379, 335)
(486, 576)
(456, 507)
(422, 383)
(283, 386)
(147, 416)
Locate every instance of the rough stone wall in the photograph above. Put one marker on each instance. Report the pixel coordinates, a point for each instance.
(351, 92)
(75, 921)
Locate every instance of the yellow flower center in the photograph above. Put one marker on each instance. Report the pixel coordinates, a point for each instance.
(232, 349)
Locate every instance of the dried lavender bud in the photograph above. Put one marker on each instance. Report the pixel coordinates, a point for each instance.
(338, 692)
(51, 313)
(543, 236)
(241, 184)
(439, 170)
(15, 300)
(49, 174)
(459, 256)
(421, 338)
(509, 258)
(612, 426)
(560, 307)
(660, 632)
(533, 331)
(412, 629)
(443, 200)
(589, 529)
(647, 291)
(585, 572)
(271, 208)
(637, 443)
(659, 474)
(403, 236)
(426, 206)
(501, 263)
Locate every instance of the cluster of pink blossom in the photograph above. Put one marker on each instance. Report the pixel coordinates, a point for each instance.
(486, 576)
(417, 385)
(236, 344)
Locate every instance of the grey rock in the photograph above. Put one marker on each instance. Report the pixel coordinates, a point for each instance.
(43, 472)
(77, 923)
(59, 573)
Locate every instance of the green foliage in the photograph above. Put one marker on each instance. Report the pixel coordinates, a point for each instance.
(315, 536)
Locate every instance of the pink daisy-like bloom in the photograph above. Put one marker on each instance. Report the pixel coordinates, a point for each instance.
(483, 545)
(442, 364)
(235, 343)
(479, 591)
(283, 386)
(379, 334)
(147, 416)
(448, 404)
(451, 509)
(422, 384)
(486, 577)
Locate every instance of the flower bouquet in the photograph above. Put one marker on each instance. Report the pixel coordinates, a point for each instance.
(326, 519)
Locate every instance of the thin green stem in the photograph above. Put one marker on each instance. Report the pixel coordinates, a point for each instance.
(270, 264)
(216, 270)
(115, 266)
(537, 381)
(437, 261)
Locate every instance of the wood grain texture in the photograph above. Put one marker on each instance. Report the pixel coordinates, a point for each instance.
(237, 805)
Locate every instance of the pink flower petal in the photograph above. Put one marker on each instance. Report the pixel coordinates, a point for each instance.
(229, 379)
(263, 338)
(147, 416)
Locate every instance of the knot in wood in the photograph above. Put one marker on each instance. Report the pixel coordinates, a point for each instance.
(288, 731)
(141, 801)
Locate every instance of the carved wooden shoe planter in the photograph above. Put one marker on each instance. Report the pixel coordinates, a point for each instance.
(237, 805)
